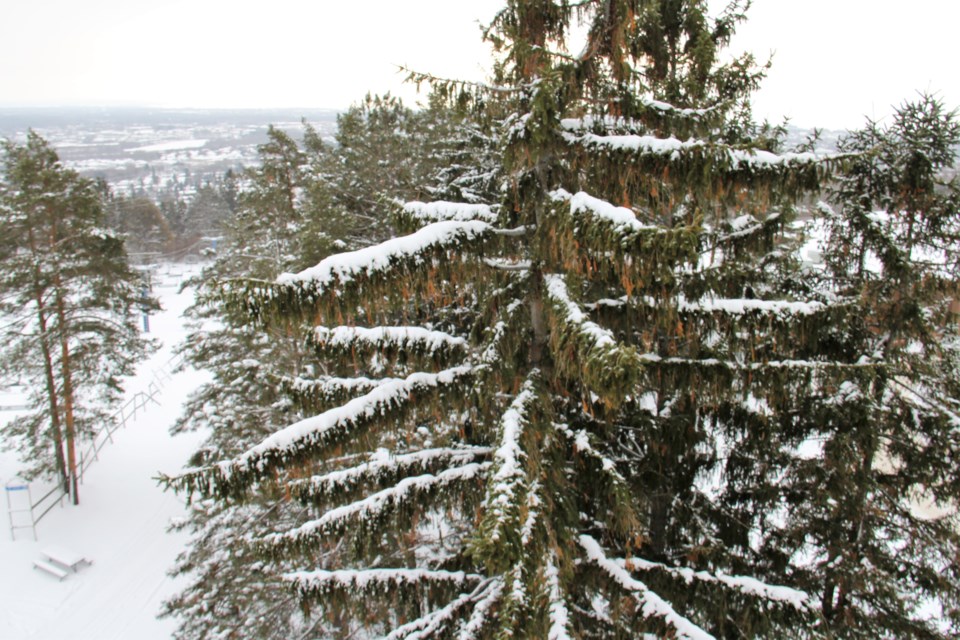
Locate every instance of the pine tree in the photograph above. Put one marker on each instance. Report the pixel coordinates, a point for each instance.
(885, 441)
(71, 302)
(495, 448)
(559, 414)
(208, 210)
(292, 213)
(141, 224)
(385, 150)
(241, 403)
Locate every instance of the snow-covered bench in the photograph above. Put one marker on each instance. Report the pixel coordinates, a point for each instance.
(50, 568)
(60, 562)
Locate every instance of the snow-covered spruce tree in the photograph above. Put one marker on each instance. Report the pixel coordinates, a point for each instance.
(462, 152)
(386, 150)
(871, 526)
(523, 424)
(276, 228)
(298, 189)
(70, 304)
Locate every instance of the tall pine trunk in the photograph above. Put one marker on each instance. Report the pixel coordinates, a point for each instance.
(56, 431)
(66, 373)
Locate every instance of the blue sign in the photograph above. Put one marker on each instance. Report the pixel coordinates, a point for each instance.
(19, 487)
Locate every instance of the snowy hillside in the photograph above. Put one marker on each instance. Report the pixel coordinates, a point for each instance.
(120, 524)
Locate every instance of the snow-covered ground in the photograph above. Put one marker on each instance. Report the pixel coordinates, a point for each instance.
(120, 525)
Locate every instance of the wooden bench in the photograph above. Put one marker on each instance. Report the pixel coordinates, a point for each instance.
(50, 568)
(60, 562)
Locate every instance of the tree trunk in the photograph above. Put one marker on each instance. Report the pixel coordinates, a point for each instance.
(56, 432)
(67, 373)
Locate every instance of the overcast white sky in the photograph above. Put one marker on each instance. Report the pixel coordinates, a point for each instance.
(835, 61)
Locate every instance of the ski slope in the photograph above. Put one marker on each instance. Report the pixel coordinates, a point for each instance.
(120, 524)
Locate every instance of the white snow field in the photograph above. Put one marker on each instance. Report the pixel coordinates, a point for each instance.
(120, 524)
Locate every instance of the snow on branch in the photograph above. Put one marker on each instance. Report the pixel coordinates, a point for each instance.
(359, 278)
(425, 626)
(491, 352)
(481, 615)
(300, 439)
(320, 583)
(651, 605)
(728, 306)
(589, 235)
(675, 149)
(504, 264)
(742, 227)
(926, 402)
(597, 336)
(329, 389)
(583, 446)
(413, 248)
(376, 506)
(496, 348)
(622, 219)
(507, 484)
(585, 351)
(618, 122)
(382, 466)
(795, 598)
(412, 339)
(733, 365)
(534, 512)
(741, 306)
(426, 213)
(608, 123)
(331, 423)
(612, 485)
(558, 614)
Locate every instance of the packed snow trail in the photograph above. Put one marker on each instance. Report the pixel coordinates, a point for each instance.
(121, 523)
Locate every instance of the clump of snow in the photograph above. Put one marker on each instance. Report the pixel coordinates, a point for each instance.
(449, 211)
(557, 290)
(401, 337)
(344, 267)
(622, 218)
